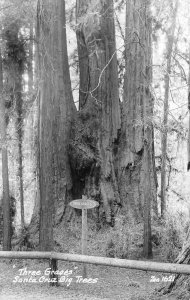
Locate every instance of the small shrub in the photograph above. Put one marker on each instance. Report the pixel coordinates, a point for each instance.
(110, 249)
(124, 239)
(173, 236)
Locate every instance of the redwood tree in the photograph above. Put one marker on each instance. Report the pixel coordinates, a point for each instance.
(136, 160)
(181, 283)
(122, 168)
(170, 43)
(5, 171)
(99, 108)
(97, 151)
(56, 105)
(15, 57)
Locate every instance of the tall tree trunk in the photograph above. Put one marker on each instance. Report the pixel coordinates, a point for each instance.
(20, 174)
(32, 97)
(31, 59)
(18, 70)
(98, 103)
(35, 78)
(188, 163)
(15, 60)
(19, 128)
(56, 109)
(5, 172)
(170, 42)
(136, 169)
(181, 283)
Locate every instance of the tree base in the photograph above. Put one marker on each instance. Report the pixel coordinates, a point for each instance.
(181, 283)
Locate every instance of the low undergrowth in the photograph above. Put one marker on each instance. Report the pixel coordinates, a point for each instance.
(125, 240)
(174, 230)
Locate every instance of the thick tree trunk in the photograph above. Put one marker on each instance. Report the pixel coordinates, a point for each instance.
(56, 106)
(136, 167)
(5, 172)
(98, 103)
(170, 42)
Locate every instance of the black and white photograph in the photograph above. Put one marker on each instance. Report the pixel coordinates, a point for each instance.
(94, 149)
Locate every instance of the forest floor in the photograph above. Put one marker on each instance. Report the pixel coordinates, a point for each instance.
(109, 282)
(112, 283)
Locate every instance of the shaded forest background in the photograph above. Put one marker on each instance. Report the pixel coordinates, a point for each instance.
(117, 131)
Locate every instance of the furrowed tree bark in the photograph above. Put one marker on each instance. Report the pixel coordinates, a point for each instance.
(15, 60)
(136, 168)
(170, 42)
(99, 108)
(56, 109)
(5, 171)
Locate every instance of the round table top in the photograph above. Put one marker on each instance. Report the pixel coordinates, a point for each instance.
(84, 203)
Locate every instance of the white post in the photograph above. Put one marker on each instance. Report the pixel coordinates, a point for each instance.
(84, 238)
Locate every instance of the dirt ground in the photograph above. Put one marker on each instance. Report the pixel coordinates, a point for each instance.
(106, 283)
